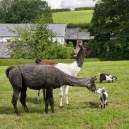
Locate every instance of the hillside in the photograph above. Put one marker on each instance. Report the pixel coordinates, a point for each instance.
(84, 16)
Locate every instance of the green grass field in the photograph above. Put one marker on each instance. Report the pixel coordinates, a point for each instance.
(73, 17)
(84, 111)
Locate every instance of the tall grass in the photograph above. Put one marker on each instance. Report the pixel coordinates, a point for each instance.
(84, 111)
(73, 17)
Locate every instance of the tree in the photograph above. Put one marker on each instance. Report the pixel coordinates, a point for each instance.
(32, 41)
(24, 11)
(110, 26)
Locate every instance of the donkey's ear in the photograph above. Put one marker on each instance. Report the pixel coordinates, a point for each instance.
(94, 78)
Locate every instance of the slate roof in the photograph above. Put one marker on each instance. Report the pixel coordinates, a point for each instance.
(74, 34)
(84, 35)
(59, 29)
(71, 33)
(4, 29)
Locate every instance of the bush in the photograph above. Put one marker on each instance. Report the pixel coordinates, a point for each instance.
(70, 44)
(57, 52)
(80, 25)
(61, 10)
(83, 8)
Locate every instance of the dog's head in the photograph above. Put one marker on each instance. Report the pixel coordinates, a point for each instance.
(114, 78)
(100, 90)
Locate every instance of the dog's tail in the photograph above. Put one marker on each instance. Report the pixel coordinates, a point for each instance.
(8, 69)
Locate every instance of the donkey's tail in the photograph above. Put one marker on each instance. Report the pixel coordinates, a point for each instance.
(8, 69)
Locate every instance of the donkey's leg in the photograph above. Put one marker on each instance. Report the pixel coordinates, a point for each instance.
(49, 100)
(46, 102)
(14, 100)
(46, 106)
(60, 91)
(38, 95)
(52, 105)
(44, 94)
(23, 99)
(66, 88)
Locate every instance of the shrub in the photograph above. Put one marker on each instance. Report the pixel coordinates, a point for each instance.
(70, 44)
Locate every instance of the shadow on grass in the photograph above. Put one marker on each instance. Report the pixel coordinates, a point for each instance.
(33, 104)
(38, 107)
(34, 100)
(92, 104)
(10, 110)
(6, 110)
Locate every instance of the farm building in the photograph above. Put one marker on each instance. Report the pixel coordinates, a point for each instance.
(63, 35)
(73, 35)
(58, 29)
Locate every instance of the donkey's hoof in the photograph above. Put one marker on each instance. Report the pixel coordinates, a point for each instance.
(46, 112)
(18, 114)
(26, 109)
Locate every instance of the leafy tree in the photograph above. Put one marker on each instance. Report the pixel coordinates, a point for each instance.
(32, 41)
(24, 11)
(110, 26)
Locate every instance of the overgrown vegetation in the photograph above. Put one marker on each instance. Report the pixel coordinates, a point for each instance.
(24, 11)
(76, 9)
(36, 41)
(61, 10)
(82, 26)
(83, 8)
(110, 26)
(83, 112)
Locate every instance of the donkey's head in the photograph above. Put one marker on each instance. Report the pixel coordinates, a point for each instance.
(91, 85)
(86, 50)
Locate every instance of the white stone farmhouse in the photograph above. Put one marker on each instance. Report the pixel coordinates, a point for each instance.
(58, 29)
(62, 35)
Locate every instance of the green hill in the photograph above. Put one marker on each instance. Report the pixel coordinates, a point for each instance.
(76, 17)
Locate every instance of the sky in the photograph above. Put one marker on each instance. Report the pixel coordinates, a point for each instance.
(57, 4)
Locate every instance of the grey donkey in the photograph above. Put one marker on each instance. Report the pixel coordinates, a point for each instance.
(41, 76)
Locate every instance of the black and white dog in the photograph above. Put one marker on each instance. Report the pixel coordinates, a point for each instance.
(107, 77)
(102, 96)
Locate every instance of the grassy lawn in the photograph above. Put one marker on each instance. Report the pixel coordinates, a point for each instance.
(73, 17)
(84, 111)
